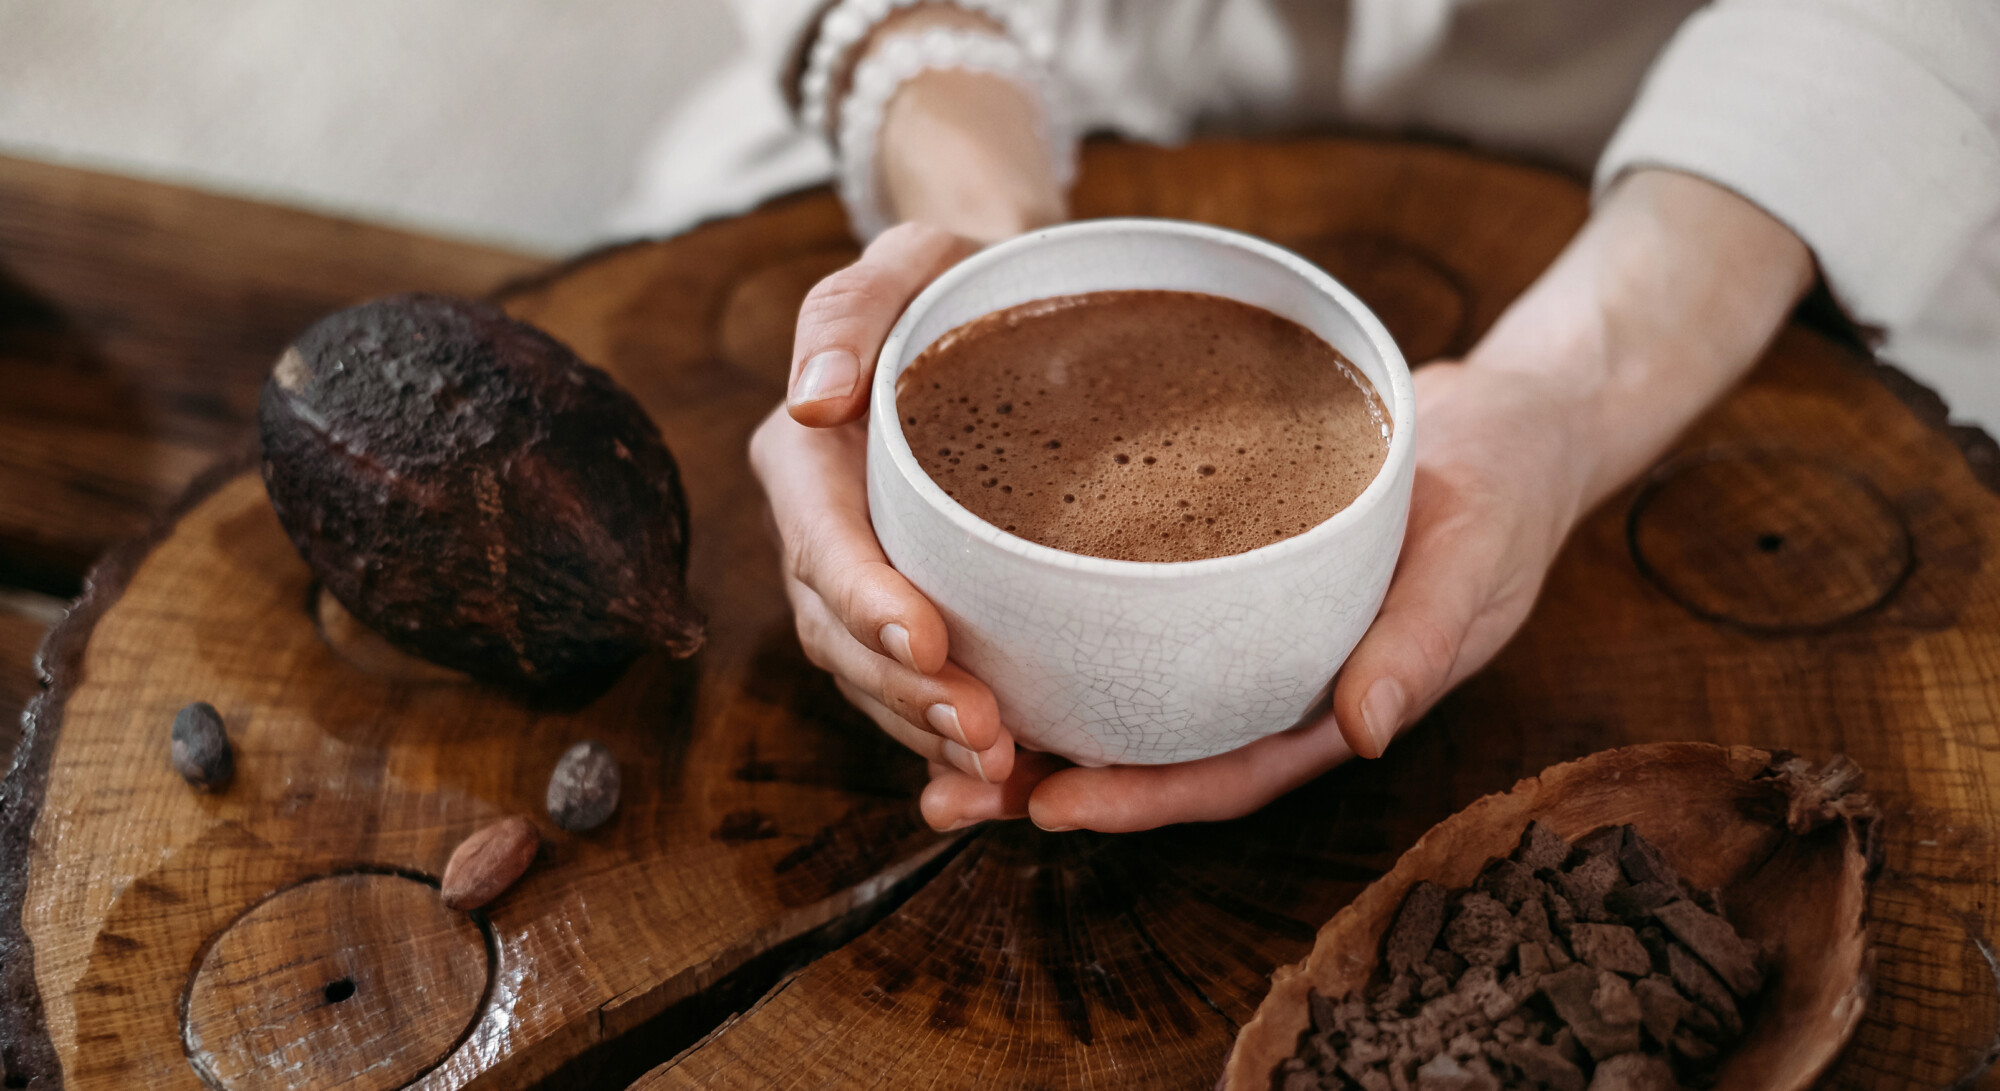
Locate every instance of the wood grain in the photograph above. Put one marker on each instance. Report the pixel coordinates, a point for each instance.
(137, 321)
(758, 807)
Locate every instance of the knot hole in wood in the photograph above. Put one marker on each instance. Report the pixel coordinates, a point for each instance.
(1769, 541)
(360, 981)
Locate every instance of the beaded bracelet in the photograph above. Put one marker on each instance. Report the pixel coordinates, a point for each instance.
(848, 22)
(1020, 55)
(899, 59)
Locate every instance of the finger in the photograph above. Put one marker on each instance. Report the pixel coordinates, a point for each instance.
(996, 762)
(949, 704)
(953, 801)
(819, 500)
(1124, 798)
(1408, 657)
(847, 316)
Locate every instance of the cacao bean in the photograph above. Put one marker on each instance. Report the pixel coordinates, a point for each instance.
(201, 752)
(485, 864)
(583, 790)
(478, 496)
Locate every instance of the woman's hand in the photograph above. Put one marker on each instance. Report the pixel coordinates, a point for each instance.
(858, 618)
(962, 164)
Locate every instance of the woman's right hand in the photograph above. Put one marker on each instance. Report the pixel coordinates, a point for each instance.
(858, 618)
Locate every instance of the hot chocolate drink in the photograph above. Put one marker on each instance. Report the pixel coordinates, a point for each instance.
(1143, 425)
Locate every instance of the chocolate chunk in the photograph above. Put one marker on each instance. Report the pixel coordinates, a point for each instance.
(1446, 963)
(1611, 947)
(1633, 1072)
(1586, 884)
(1426, 1038)
(1324, 1009)
(1562, 913)
(1521, 986)
(1375, 1080)
(1483, 933)
(1416, 928)
(1604, 841)
(1361, 1054)
(1717, 943)
(1698, 984)
(1615, 1002)
(1693, 1049)
(1401, 990)
(1510, 883)
(1644, 863)
(1532, 958)
(1544, 1065)
(1480, 987)
(1634, 904)
(1540, 849)
(1306, 1080)
(1431, 983)
(1655, 941)
(1445, 1010)
(1661, 1007)
(1451, 1074)
(1573, 994)
(1703, 1022)
(1532, 919)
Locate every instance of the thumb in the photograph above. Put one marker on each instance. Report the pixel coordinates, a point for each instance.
(847, 316)
(1409, 656)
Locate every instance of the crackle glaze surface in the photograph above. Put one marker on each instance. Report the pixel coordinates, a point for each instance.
(1131, 662)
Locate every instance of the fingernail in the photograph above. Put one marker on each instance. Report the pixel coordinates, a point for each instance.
(1052, 829)
(1382, 711)
(966, 760)
(830, 374)
(896, 641)
(962, 823)
(944, 719)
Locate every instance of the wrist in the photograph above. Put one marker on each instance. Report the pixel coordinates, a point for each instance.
(942, 113)
(1665, 300)
(966, 152)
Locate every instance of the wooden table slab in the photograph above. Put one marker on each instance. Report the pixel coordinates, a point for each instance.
(1809, 570)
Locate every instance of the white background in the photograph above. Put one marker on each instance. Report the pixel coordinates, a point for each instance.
(518, 122)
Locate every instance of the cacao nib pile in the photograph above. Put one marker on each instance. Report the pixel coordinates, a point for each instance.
(1568, 967)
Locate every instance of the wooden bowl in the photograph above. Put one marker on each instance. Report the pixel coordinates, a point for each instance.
(1789, 846)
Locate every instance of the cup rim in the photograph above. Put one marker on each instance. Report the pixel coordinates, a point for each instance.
(1402, 406)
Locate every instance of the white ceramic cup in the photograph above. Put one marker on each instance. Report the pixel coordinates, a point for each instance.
(1133, 662)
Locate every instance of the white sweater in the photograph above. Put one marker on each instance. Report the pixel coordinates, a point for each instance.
(1870, 127)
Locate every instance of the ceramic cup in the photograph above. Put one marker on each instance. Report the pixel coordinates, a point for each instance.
(1132, 662)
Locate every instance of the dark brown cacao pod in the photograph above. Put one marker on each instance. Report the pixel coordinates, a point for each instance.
(471, 490)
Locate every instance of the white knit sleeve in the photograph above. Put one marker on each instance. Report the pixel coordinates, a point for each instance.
(1866, 126)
